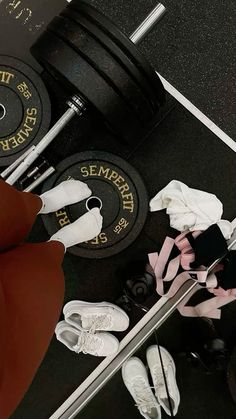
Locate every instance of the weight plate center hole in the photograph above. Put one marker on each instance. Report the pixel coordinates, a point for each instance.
(93, 202)
(2, 111)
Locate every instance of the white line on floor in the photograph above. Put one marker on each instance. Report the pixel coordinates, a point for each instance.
(198, 114)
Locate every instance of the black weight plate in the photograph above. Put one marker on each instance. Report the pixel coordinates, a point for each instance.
(71, 33)
(117, 52)
(123, 41)
(120, 189)
(25, 110)
(71, 69)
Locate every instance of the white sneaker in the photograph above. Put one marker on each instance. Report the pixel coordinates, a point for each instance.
(100, 344)
(154, 363)
(95, 316)
(135, 377)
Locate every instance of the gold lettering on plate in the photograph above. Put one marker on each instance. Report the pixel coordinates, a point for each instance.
(101, 239)
(62, 218)
(6, 77)
(103, 172)
(114, 177)
(23, 133)
(25, 13)
(24, 90)
(22, 14)
(122, 225)
(12, 6)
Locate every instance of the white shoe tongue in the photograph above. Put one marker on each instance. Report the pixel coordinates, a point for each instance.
(86, 322)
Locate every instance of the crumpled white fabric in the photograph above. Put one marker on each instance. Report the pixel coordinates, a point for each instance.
(191, 209)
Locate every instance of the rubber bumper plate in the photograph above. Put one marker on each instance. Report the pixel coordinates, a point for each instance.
(86, 8)
(25, 110)
(117, 189)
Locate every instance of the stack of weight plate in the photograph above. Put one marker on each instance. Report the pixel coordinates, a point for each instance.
(91, 57)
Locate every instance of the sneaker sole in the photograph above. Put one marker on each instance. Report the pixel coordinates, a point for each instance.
(70, 308)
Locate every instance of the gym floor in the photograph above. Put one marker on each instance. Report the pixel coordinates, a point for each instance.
(193, 47)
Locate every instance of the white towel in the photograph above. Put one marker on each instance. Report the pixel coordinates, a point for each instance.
(190, 209)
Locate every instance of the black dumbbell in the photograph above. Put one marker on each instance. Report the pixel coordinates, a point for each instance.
(100, 68)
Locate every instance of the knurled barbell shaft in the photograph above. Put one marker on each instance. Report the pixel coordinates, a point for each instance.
(136, 37)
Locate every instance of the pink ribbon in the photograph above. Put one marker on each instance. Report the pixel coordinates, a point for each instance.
(209, 308)
(158, 263)
(220, 292)
(187, 253)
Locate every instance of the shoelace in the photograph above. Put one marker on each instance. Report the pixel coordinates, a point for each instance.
(100, 322)
(87, 343)
(144, 399)
(159, 381)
